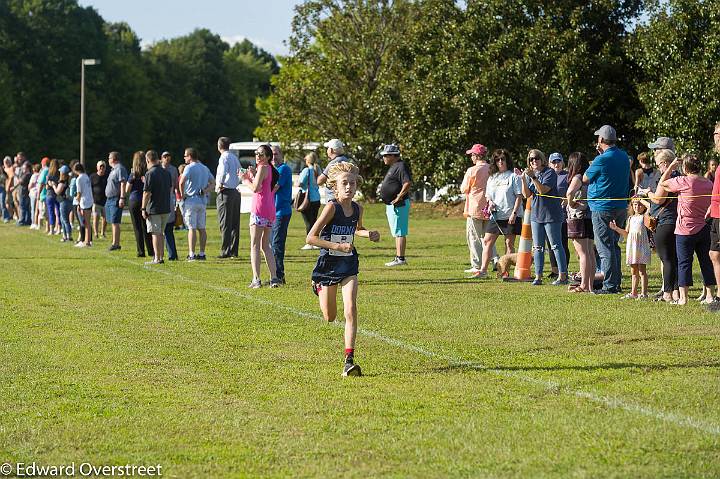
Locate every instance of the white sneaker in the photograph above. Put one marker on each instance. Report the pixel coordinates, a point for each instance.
(306, 247)
(397, 262)
(81, 245)
(472, 270)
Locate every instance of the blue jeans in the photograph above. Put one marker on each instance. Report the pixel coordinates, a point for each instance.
(24, 213)
(606, 242)
(170, 241)
(51, 205)
(553, 232)
(5, 213)
(65, 207)
(279, 236)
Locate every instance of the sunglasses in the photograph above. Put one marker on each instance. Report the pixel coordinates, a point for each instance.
(533, 158)
(259, 153)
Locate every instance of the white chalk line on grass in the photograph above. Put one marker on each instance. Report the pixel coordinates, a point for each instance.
(611, 402)
(608, 401)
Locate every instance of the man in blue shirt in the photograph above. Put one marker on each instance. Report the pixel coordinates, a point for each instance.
(608, 180)
(283, 211)
(195, 184)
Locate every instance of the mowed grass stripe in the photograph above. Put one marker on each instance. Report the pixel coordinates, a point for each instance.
(226, 388)
(275, 306)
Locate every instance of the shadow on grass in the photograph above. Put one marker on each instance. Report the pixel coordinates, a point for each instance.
(593, 367)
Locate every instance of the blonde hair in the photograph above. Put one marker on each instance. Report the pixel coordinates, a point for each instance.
(664, 156)
(538, 154)
(339, 168)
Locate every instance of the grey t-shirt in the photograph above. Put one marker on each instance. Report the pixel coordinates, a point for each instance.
(117, 175)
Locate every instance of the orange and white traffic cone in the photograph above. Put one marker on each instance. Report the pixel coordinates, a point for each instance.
(524, 257)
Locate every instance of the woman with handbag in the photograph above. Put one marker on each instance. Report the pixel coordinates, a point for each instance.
(579, 222)
(661, 222)
(307, 200)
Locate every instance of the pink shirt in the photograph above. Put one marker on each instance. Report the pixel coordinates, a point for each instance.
(263, 202)
(473, 185)
(715, 201)
(691, 211)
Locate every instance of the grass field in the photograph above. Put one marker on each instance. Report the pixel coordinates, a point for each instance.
(107, 361)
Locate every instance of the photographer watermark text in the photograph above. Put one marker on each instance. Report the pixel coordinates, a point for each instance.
(85, 469)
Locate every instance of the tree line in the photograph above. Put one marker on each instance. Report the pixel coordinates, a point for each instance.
(181, 92)
(439, 75)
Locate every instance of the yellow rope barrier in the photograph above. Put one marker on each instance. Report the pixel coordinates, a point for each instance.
(627, 199)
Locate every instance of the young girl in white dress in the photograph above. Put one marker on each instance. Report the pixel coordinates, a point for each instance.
(637, 247)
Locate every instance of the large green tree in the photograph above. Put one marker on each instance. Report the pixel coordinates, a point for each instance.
(341, 79)
(514, 74)
(679, 85)
(185, 91)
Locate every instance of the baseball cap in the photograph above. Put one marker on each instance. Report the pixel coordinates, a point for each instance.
(65, 169)
(555, 157)
(165, 153)
(607, 132)
(45, 161)
(478, 149)
(390, 150)
(334, 144)
(662, 143)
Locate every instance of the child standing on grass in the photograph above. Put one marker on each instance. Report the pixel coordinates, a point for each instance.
(337, 264)
(637, 247)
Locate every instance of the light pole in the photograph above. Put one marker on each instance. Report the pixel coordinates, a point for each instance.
(85, 61)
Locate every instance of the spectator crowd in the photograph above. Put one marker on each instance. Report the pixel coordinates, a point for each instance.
(660, 202)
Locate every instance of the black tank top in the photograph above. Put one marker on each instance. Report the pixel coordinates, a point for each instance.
(341, 230)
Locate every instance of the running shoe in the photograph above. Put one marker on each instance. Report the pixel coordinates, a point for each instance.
(255, 284)
(351, 369)
(396, 262)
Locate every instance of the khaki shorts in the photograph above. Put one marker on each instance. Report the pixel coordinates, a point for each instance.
(98, 210)
(156, 223)
(43, 209)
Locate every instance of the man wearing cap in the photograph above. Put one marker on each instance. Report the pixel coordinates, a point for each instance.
(557, 163)
(662, 143)
(336, 154)
(115, 193)
(714, 213)
(283, 211)
(228, 198)
(394, 191)
(473, 187)
(608, 190)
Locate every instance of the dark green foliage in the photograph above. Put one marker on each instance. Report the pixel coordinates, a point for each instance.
(443, 76)
(181, 92)
(679, 87)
